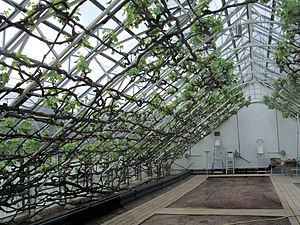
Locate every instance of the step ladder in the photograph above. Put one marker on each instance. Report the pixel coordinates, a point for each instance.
(217, 165)
(230, 163)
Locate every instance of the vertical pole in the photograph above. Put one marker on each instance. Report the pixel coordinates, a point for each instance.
(277, 131)
(206, 160)
(3, 38)
(298, 127)
(238, 133)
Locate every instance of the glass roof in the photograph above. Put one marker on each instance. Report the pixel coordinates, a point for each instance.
(248, 38)
(101, 86)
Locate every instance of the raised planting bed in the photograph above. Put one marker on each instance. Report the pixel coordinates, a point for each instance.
(232, 193)
(212, 220)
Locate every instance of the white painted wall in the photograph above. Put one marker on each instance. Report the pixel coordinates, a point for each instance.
(240, 133)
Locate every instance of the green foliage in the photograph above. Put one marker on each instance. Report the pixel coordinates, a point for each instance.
(289, 12)
(140, 128)
(3, 165)
(4, 77)
(220, 65)
(171, 91)
(76, 15)
(111, 39)
(204, 27)
(49, 164)
(5, 12)
(53, 76)
(61, 11)
(285, 90)
(32, 15)
(85, 42)
(134, 11)
(52, 99)
(265, 1)
(22, 60)
(10, 145)
(6, 124)
(111, 35)
(70, 104)
(26, 127)
(155, 100)
(30, 145)
(82, 65)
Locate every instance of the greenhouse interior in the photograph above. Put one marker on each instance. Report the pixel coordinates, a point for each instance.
(105, 101)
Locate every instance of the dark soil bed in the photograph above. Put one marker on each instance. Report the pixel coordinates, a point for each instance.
(210, 220)
(232, 193)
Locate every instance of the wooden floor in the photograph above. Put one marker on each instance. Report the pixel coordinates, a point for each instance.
(289, 195)
(148, 209)
(288, 192)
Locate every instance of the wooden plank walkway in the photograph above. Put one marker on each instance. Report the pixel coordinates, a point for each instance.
(240, 175)
(223, 212)
(141, 213)
(289, 195)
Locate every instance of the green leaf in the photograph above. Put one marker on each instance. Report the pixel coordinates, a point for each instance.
(53, 76)
(82, 65)
(4, 77)
(26, 127)
(22, 57)
(31, 145)
(6, 12)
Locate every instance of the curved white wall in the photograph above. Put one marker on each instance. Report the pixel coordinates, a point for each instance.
(240, 133)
